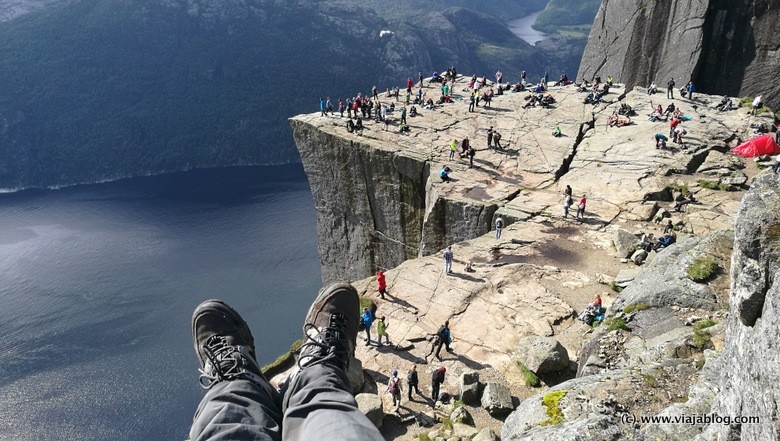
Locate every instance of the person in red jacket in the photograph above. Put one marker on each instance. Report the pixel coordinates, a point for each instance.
(381, 283)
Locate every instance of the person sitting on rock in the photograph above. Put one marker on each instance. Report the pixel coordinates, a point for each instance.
(688, 198)
(653, 89)
(413, 111)
(557, 132)
(666, 240)
(359, 126)
(530, 101)
(429, 104)
(350, 126)
(668, 227)
(588, 314)
(725, 104)
(670, 109)
(647, 242)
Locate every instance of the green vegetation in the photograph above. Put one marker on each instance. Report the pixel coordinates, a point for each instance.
(708, 184)
(531, 380)
(638, 307)
(424, 437)
(701, 340)
(614, 287)
(617, 324)
(650, 380)
(284, 357)
(552, 402)
(682, 188)
(701, 269)
(704, 324)
(700, 362)
(366, 302)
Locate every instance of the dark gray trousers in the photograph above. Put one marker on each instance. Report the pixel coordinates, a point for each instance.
(317, 405)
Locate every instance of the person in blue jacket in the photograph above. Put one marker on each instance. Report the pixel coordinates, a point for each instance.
(367, 318)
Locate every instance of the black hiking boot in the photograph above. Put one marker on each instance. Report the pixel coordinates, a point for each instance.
(223, 344)
(331, 327)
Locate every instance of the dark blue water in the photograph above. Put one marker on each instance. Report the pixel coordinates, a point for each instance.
(98, 283)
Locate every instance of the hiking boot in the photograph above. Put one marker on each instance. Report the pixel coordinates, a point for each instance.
(223, 344)
(331, 327)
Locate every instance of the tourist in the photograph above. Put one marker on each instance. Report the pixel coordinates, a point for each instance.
(688, 198)
(412, 381)
(499, 226)
(447, 260)
(240, 402)
(668, 227)
(673, 125)
(381, 330)
(470, 153)
(464, 146)
(403, 115)
(394, 387)
(323, 107)
(381, 283)
(567, 191)
(653, 89)
(444, 174)
(437, 378)
(445, 338)
(757, 104)
(341, 108)
(691, 89)
(471, 102)
(679, 132)
(367, 318)
(359, 126)
(522, 77)
(497, 140)
(567, 203)
(490, 137)
(581, 208)
(670, 89)
(597, 301)
(557, 132)
(453, 149)
(666, 240)
(499, 77)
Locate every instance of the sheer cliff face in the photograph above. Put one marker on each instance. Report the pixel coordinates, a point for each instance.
(375, 205)
(750, 378)
(727, 47)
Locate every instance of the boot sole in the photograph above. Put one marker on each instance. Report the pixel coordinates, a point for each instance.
(223, 308)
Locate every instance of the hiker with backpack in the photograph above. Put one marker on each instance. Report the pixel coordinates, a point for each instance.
(381, 284)
(499, 226)
(445, 338)
(394, 387)
(437, 378)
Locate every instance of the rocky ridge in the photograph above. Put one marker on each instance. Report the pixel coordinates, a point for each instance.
(380, 203)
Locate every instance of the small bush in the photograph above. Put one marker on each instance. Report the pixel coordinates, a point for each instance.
(531, 380)
(701, 340)
(617, 324)
(701, 269)
(366, 302)
(708, 184)
(552, 402)
(613, 286)
(638, 307)
(700, 363)
(726, 187)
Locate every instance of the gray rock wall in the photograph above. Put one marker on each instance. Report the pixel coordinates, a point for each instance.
(725, 47)
(750, 378)
(375, 207)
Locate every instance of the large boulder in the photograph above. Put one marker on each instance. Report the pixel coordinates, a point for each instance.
(462, 416)
(469, 387)
(497, 400)
(665, 281)
(625, 243)
(543, 355)
(371, 406)
(485, 434)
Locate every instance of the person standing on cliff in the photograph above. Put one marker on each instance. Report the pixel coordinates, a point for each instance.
(453, 149)
(499, 226)
(581, 208)
(691, 89)
(499, 77)
(471, 102)
(381, 284)
(412, 381)
(403, 115)
(471, 152)
(367, 318)
(445, 338)
(448, 260)
(490, 137)
(394, 387)
(670, 89)
(323, 107)
(381, 330)
(437, 378)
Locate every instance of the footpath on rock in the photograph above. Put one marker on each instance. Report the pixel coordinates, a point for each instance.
(527, 287)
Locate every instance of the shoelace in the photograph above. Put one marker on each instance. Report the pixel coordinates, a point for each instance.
(324, 346)
(224, 364)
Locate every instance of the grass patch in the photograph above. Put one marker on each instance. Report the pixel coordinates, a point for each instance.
(638, 307)
(701, 340)
(746, 101)
(281, 359)
(552, 402)
(703, 324)
(447, 423)
(683, 188)
(457, 403)
(650, 380)
(366, 302)
(708, 184)
(531, 380)
(617, 324)
(701, 269)
(424, 437)
(613, 286)
(700, 363)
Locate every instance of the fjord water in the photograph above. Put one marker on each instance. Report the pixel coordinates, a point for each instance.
(98, 283)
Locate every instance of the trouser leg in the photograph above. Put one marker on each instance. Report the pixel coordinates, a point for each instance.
(368, 334)
(435, 392)
(319, 406)
(238, 409)
(438, 348)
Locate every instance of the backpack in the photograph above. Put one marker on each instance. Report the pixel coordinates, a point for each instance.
(394, 387)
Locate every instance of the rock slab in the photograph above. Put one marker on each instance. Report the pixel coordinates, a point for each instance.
(497, 400)
(371, 406)
(543, 355)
